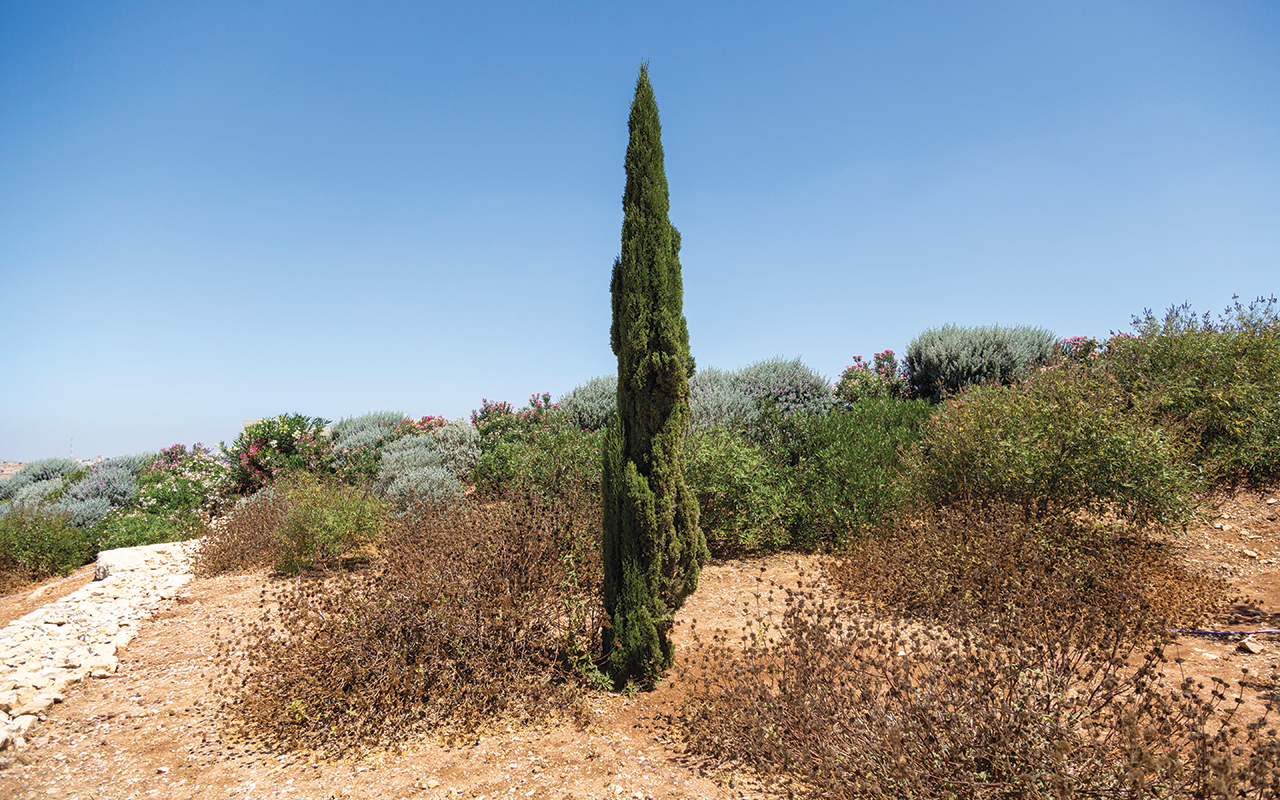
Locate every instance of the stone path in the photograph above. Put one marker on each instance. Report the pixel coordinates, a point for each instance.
(76, 638)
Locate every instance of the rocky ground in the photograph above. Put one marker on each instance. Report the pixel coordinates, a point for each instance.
(151, 728)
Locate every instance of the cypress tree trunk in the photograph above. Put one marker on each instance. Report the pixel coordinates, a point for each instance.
(653, 547)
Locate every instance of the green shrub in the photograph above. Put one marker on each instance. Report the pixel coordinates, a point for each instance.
(36, 543)
(554, 457)
(132, 528)
(742, 495)
(1218, 382)
(325, 521)
(944, 360)
(593, 404)
(846, 471)
(270, 449)
(1061, 442)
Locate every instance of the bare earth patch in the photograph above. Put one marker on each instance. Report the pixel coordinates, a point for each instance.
(152, 730)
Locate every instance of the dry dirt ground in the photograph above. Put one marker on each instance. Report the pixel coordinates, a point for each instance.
(152, 730)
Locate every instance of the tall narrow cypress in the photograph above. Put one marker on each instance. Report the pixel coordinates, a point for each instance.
(653, 547)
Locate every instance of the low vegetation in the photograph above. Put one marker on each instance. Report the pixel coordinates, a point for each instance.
(993, 602)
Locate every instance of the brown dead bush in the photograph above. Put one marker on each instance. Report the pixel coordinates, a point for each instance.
(467, 614)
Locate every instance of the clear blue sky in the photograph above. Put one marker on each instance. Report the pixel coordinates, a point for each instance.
(212, 212)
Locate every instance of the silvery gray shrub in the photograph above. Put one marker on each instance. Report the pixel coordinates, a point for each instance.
(945, 360)
(352, 433)
(36, 471)
(593, 404)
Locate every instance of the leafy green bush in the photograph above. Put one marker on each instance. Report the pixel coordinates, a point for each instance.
(1061, 442)
(36, 543)
(742, 495)
(132, 528)
(553, 456)
(325, 521)
(1216, 381)
(944, 360)
(182, 483)
(593, 404)
(269, 449)
(846, 471)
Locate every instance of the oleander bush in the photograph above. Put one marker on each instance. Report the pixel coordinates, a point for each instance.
(885, 377)
(593, 404)
(942, 361)
(37, 543)
(1064, 441)
(1215, 381)
(270, 449)
(489, 611)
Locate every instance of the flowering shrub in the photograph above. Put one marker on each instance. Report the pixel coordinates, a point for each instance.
(271, 448)
(498, 421)
(1079, 348)
(183, 482)
(887, 378)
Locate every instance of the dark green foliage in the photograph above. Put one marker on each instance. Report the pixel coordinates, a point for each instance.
(36, 544)
(743, 496)
(942, 361)
(653, 547)
(1218, 382)
(552, 458)
(847, 477)
(1061, 442)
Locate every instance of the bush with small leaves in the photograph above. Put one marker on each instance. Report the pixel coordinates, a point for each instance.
(942, 361)
(1216, 381)
(1064, 441)
(593, 404)
(790, 387)
(245, 539)
(325, 521)
(715, 400)
(36, 543)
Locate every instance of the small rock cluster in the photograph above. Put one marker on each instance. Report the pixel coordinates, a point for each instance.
(64, 642)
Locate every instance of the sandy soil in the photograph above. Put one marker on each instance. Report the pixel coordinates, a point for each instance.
(152, 730)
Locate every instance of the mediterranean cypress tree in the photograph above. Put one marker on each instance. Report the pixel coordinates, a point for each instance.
(653, 547)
